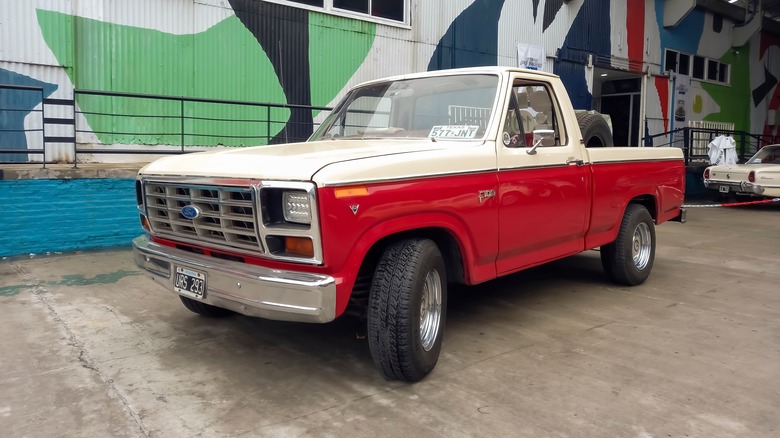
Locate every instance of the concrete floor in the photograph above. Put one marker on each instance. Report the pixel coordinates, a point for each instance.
(92, 348)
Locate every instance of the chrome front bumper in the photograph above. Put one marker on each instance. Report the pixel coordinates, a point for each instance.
(243, 288)
(735, 187)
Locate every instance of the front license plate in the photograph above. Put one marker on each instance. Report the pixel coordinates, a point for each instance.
(190, 283)
(723, 189)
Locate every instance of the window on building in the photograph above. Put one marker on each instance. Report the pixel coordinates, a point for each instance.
(352, 5)
(677, 62)
(698, 67)
(670, 63)
(684, 64)
(394, 10)
(310, 2)
(712, 70)
(723, 73)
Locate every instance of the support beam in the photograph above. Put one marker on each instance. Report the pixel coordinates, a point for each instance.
(676, 10)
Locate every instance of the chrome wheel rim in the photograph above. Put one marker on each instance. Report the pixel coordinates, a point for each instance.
(430, 309)
(641, 246)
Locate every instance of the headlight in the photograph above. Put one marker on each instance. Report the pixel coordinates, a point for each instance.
(297, 207)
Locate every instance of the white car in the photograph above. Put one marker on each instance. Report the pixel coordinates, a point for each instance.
(759, 176)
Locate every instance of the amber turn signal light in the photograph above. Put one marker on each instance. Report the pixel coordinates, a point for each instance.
(302, 246)
(350, 192)
(145, 223)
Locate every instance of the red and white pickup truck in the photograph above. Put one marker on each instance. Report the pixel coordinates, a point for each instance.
(411, 183)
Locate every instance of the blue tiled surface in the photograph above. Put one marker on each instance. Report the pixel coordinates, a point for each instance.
(49, 215)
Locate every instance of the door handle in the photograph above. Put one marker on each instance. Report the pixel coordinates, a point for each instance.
(571, 161)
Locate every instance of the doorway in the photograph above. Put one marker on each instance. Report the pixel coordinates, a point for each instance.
(619, 94)
(621, 99)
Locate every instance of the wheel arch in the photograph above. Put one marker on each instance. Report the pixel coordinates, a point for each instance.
(445, 240)
(648, 201)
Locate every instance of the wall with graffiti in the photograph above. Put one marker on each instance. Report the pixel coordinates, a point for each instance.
(283, 52)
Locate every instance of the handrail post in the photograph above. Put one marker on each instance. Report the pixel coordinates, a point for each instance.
(181, 110)
(43, 127)
(75, 142)
(742, 146)
(267, 125)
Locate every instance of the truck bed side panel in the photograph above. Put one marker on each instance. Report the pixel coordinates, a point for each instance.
(623, 174)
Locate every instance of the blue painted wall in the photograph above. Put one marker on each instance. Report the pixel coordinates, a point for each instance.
(589, 34)
(15, 105)
(48, 215)
(684, 37)
(472, 38)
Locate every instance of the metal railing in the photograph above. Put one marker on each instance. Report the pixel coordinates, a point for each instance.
(138, 124)
(695, 142)
(13, 141)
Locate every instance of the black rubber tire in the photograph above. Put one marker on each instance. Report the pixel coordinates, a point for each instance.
(617, 258)
(204, 309)
(743, 198)
(394, 332)
(595, 130)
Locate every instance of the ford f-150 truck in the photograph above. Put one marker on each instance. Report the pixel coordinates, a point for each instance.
(411, 183)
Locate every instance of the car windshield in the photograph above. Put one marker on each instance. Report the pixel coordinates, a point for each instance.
(766, 155)
(454, 107)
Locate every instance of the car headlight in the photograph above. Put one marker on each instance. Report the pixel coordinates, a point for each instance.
(297, 207)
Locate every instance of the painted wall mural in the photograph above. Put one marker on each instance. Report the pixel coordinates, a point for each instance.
(262, 52)
(18, 105)
(237, 59)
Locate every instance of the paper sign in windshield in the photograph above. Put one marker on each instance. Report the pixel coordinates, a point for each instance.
(453, 131)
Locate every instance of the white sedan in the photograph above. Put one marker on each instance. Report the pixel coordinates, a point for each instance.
(759, 176)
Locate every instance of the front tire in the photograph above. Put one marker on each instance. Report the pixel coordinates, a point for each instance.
(407, 307)
(204, 309)
(629, 259)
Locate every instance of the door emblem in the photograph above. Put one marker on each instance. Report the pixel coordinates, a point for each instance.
(485, 194)
(354, 208)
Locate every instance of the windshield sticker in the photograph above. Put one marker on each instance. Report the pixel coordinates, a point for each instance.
(453, 131)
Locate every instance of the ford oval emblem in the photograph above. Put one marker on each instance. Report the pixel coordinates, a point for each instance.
(190, 212)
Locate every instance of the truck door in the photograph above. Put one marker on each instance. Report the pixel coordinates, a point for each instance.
(544, 198)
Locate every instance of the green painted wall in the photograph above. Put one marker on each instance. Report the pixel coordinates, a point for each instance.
(734, 100)
(337, 48)
(224, 62)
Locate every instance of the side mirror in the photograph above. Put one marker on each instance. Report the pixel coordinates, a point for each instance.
(539, 136)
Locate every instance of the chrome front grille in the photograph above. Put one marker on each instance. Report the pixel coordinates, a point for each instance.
(227, 215)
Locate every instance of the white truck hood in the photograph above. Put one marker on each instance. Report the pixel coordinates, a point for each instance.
(292, 162)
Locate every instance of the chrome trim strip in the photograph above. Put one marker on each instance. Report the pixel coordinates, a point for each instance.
(405, 178)
(655, 159)
(738, 186)
(534, 167)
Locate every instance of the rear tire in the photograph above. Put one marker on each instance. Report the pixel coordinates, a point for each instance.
(204, 309)
(629, 259)
(407, 307)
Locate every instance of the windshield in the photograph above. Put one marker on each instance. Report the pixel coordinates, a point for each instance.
(443, 107)
(766, 155)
